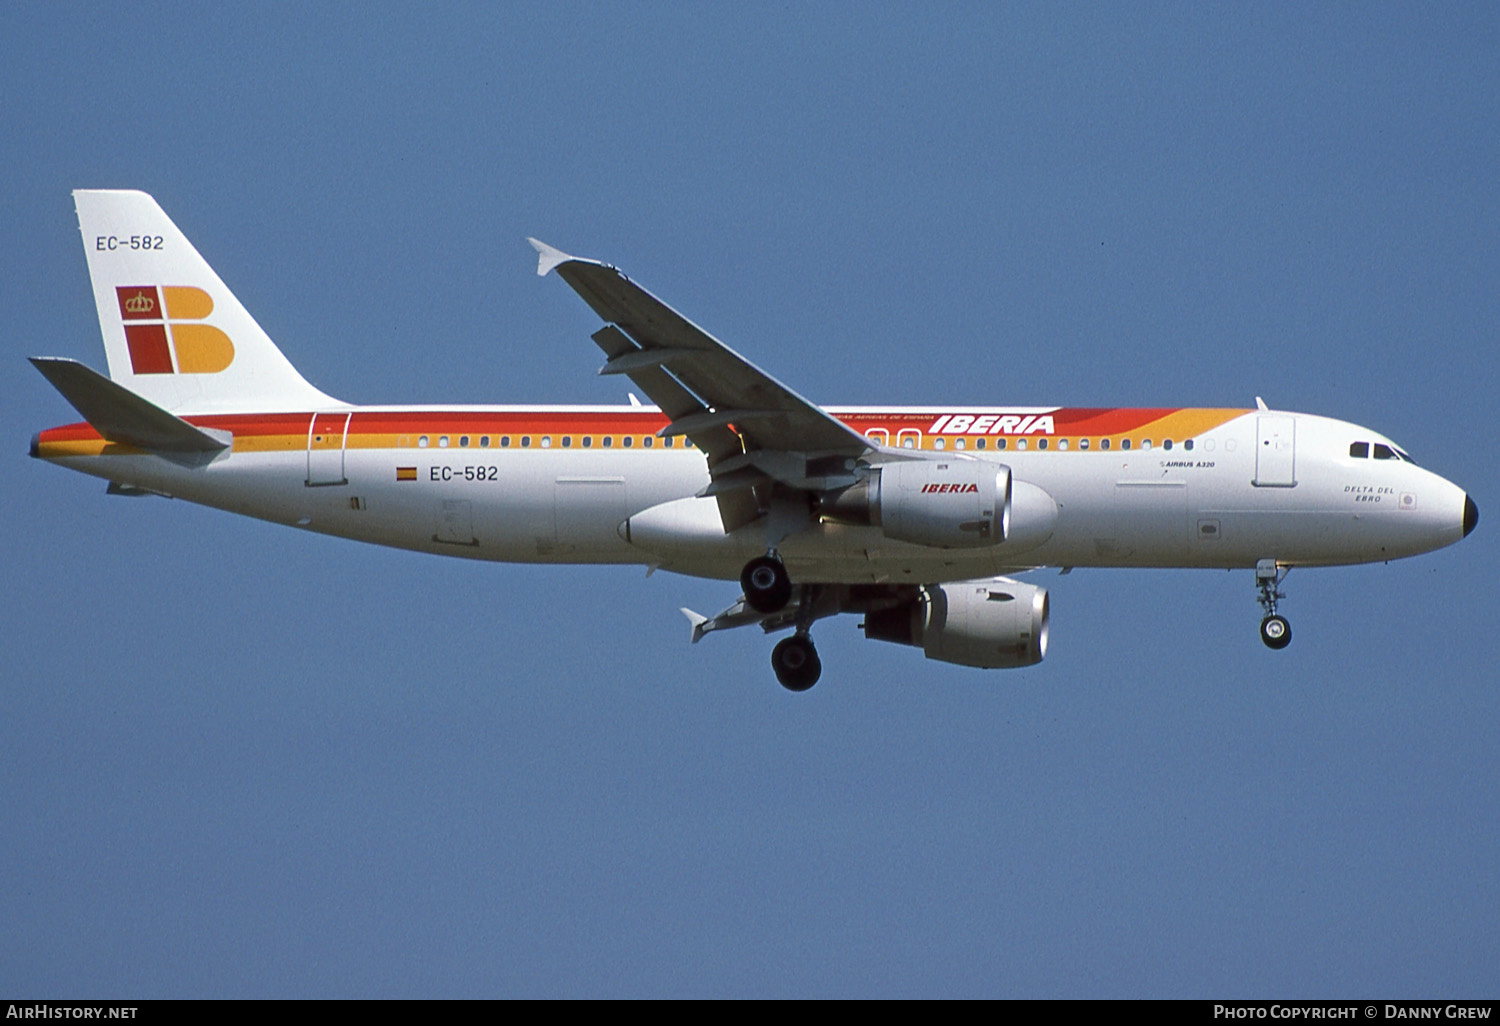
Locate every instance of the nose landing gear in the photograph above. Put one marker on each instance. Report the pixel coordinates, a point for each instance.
(1275, 631)
(767, 585)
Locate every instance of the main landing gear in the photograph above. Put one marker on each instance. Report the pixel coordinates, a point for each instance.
(768, 589)
(1274, 629)
(796, 662)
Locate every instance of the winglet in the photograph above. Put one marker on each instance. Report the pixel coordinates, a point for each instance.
(697, 620)
(1260, 404)
(547, 257)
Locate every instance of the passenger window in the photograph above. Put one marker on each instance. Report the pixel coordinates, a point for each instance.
(1083, 444)
(1359, 450)
(958, 443)
(1383, 452)
(666, 443)
(1124, 443)
(627, 441)
(588, 441)
(422, 442)
(526, 441)
(908, 442)
(1188, 445)
(546, 441)
(1041, 443)
(484, 441)
(1104, 443)
(463, 443)
(648, 441)
(1001, 443)
(567, 441)
(1145, 443)
(1062, 444)
(1020, 443)
(442, 441)
(1167, 444)
(979, 443)
(940, 443)
(505, 441)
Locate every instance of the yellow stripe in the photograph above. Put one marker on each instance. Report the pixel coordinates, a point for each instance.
(270, 443)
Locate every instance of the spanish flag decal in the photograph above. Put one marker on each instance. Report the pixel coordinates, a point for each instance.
(406, 473)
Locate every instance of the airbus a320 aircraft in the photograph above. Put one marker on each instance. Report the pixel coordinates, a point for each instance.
(911, 516)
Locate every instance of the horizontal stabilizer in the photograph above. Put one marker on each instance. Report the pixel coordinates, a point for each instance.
(119, 415)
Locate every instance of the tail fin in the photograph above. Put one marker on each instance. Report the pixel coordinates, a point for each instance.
(173, 332)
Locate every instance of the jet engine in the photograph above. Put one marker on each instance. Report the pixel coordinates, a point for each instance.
(992, 624)
(954, 504)
(957, 504)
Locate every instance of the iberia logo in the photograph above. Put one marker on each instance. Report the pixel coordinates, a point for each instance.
(165, 333)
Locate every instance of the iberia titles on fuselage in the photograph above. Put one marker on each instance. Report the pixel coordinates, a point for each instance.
(909, 515)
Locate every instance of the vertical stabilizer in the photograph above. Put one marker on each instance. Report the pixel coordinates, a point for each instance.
(173, 332)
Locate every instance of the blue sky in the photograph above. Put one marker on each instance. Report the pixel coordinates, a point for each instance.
(240, 760)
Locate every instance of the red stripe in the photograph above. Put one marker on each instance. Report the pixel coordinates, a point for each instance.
(1075, 421)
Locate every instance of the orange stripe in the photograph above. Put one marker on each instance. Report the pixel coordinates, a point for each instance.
(286, 432)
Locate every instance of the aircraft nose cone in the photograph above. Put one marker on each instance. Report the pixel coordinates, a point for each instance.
(1471, 515)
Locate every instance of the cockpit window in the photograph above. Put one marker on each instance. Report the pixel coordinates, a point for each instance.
(1361, 450)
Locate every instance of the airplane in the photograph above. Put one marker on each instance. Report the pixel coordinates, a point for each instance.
(918, 518)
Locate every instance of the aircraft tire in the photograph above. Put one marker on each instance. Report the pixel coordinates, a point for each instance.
(1276, 632)
(766, 583)
(796, 663)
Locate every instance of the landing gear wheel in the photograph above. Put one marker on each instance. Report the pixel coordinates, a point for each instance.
(767, 586)
(796, 663)
(1275, 631)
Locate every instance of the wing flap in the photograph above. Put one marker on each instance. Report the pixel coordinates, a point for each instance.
(716, 441)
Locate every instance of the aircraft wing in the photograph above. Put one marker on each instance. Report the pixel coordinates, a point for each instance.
(698, 381)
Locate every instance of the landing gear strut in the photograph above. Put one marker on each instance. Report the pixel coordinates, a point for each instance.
(767, 586)
(1274, 629)
(796, 662)
(794, 659)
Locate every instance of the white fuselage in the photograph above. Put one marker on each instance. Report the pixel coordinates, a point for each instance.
(1235, 496)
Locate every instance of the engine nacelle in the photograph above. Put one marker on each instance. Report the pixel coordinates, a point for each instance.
(952, 504)
(993, 624)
